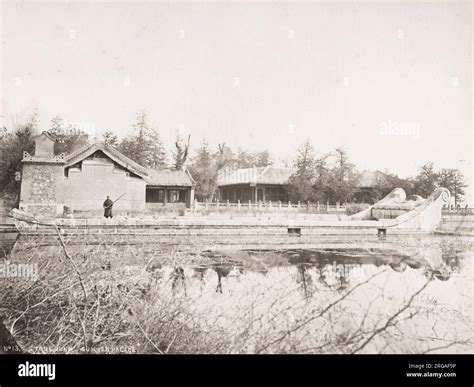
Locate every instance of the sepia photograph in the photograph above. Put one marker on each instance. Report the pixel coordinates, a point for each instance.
(236, 178)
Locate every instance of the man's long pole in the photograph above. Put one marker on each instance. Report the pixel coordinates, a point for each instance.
(121, 196)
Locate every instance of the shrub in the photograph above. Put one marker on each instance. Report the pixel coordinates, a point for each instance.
(354, 208)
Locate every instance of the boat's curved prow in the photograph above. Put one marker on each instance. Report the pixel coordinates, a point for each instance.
(395, 197)
(22, 220)
(419, 214)
(427, 216)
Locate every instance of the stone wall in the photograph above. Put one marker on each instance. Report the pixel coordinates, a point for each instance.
(42, 183)
(163, 207)
(457, 223)
(45, 210)
(42, 188)
(6, 204)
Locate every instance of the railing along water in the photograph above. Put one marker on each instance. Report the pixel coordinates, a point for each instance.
(267, 206)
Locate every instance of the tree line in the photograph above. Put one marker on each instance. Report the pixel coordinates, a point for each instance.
(324, 177)
(332, 177)
(142, 144)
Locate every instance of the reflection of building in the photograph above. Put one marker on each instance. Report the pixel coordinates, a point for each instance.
(83, 179)
(254, 184)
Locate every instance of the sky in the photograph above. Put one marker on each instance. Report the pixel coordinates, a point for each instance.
(391, 82)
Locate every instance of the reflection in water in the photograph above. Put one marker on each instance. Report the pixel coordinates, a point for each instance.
(267, 278)
(333, 269)
(224, 271)
(178, 280)
(252, 296)
(304, 278)
(199, 272)
(336, 269)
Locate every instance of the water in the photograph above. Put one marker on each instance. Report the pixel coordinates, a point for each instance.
(331, 296)
(264, 292)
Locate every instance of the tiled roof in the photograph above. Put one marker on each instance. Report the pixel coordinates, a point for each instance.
(87, 150)
(168, 178)
(260, 175)
(151, 176)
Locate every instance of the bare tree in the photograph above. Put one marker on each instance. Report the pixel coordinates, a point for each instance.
(181, 153)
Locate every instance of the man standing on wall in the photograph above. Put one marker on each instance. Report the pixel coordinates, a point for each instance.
(108, 204)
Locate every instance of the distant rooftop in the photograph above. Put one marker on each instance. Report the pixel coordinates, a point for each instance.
(258, 175)
(166, 177)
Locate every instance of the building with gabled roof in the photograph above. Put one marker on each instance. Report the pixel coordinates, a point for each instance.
(84, 178)
(167, 187)
(112, 153)
(254, 184)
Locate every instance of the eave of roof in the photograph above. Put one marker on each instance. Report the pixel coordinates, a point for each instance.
(168, 178)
